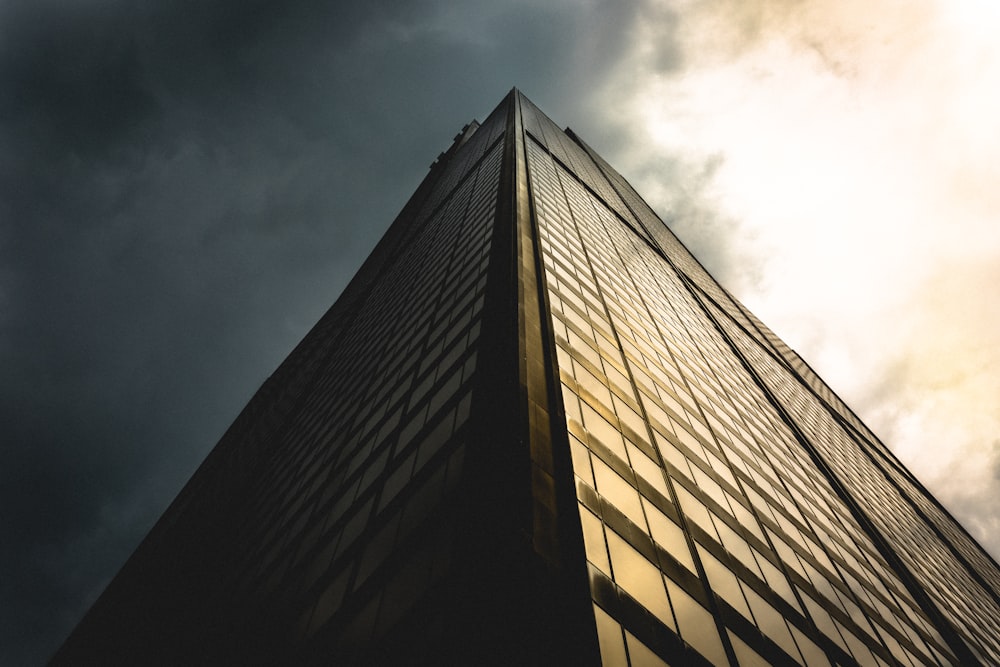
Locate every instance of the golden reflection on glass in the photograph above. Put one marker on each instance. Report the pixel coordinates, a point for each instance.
(695, 510)
(776, 580)
(770, 622)
(813, 654)
(668, 535)
(620, 493)
(709, 486)
(647, 468)
(640, 655)
(639, 578)
(745, 655)
(581, 461)
(697, 626)
(571, 403)
(593, 540)
(724, 583)
(673, 455)
(601, 429)
(737, 470)
(609, 636)
(590, 382)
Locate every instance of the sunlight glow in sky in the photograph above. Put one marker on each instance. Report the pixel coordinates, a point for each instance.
(848, 154)
(187, 187)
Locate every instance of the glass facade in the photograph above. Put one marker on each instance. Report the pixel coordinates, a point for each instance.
(728, 499)
(534, 429)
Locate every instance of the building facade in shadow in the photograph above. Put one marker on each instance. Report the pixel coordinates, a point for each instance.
(534, 430)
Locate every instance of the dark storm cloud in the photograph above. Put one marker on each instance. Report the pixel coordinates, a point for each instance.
(184, 188)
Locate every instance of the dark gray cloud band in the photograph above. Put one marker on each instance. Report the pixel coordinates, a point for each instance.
(184, 188)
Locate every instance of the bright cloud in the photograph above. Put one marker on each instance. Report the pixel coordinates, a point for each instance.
(841, 159)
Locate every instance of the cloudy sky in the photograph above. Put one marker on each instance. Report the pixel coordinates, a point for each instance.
(186, 186)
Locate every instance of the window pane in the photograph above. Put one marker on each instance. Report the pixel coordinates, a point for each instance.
(640, 655)
(593, 538)
(622, 495)
(697, 627)
(639, 578)
(668, 535)
(609, 634)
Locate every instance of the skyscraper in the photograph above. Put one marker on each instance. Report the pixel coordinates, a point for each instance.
(533, 430)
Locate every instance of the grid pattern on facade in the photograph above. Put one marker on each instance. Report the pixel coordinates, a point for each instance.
(361, 479)
(569, 153)
(939, 571)
(691, 269)
(641, 216)
(650, 386)
(534, 419)
(338, 524)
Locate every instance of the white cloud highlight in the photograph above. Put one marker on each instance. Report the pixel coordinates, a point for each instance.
(842, 158)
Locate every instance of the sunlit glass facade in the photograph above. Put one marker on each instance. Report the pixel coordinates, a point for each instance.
(533, 430)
